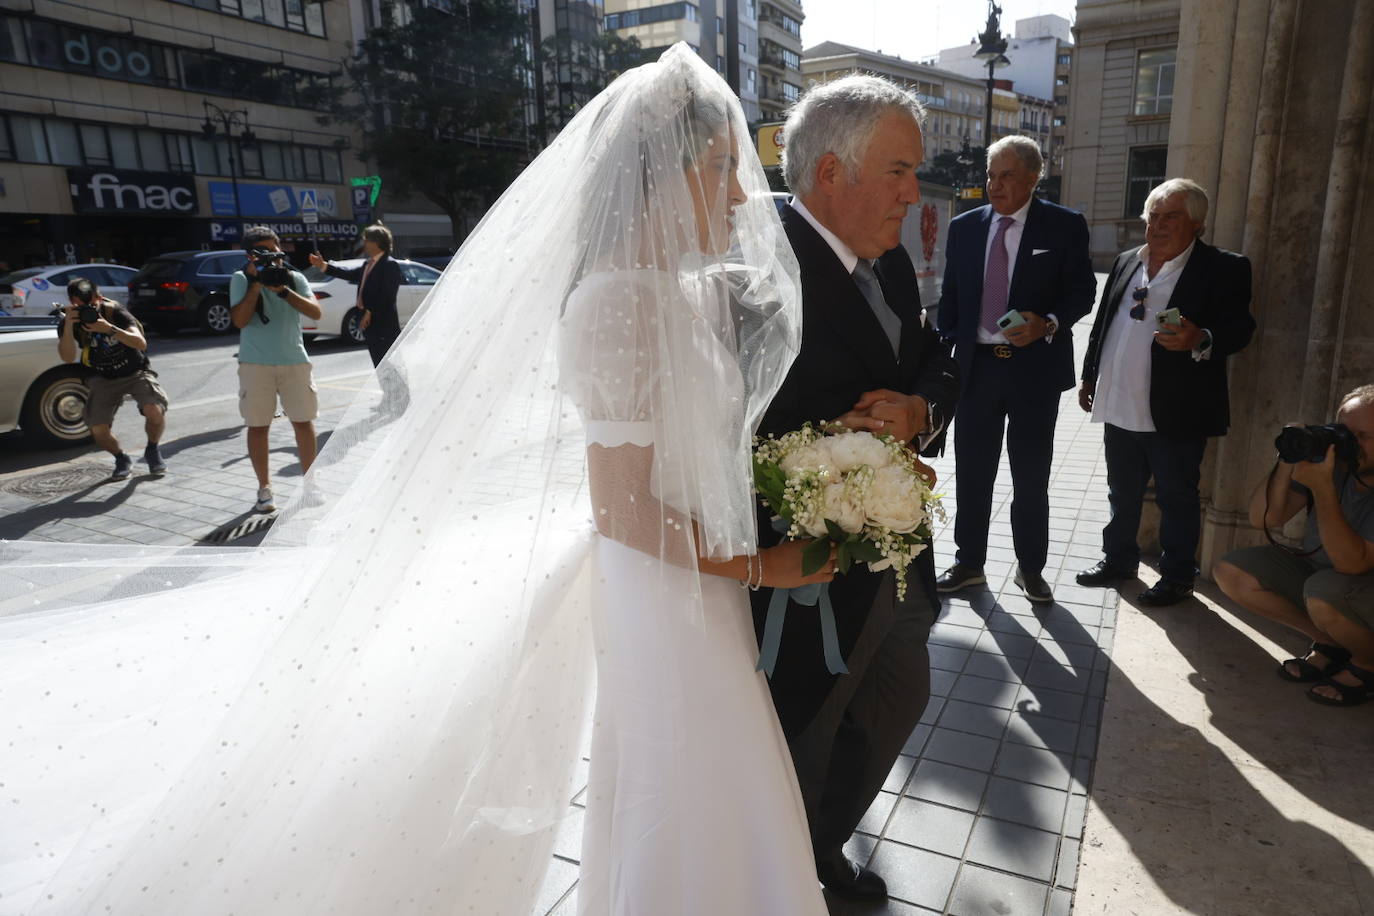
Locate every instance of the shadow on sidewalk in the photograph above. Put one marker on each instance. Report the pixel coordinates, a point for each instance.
(16, 525)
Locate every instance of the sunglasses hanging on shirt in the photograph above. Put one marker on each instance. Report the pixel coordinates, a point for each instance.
(1139, 294)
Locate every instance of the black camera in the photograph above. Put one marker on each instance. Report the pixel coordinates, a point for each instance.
(1309, 443)
(85, 294)
(271, 265)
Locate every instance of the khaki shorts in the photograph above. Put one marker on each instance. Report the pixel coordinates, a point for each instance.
(260, 386)
(106, 394)
(1298, 579)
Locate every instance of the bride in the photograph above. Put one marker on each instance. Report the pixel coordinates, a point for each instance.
(381, 708)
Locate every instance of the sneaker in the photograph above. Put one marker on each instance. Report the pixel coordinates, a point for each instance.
(123, 467)
(959, 577)
(156, 466)
(265, 502)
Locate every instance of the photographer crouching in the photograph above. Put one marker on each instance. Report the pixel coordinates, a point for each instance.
(107, 338)
(268, 301)
(1325, 590)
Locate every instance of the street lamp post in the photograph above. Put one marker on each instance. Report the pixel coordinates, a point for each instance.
(229, 119)
(992, 49)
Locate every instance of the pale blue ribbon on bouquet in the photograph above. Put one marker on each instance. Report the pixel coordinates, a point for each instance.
(817, 593)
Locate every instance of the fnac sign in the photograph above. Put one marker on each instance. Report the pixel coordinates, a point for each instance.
(124, 191)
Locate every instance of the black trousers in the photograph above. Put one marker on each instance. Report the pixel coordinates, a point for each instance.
(993, 401)
(1175, 464)
(380, 339)
(844, 754)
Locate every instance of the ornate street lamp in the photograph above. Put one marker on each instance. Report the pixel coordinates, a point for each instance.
(992, 48)
(246, 139)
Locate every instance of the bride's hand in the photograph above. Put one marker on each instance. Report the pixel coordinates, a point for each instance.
(782, 566)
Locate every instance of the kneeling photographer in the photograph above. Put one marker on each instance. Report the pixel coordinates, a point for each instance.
(107, 338)
(1325, 590)
(269, 299)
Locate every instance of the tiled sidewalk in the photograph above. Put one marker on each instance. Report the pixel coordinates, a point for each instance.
(983, 813)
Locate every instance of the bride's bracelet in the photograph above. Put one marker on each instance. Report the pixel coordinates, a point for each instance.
(753, 572)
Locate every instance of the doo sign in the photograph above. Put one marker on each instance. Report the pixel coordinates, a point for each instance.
(109, 191)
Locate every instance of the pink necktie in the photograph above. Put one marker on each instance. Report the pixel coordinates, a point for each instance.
(995, 281)
(368, 269)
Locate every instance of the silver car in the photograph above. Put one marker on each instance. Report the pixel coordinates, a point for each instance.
(33, 290)
(39, 394)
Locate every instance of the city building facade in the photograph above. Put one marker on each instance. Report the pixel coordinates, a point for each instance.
(955, 104)
(113, 121)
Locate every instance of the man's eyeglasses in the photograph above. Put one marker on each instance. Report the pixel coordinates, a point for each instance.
(1139, 294)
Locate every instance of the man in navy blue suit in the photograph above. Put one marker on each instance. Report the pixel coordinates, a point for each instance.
(1017, 278)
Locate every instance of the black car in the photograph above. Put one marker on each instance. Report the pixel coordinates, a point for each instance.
(186, 289)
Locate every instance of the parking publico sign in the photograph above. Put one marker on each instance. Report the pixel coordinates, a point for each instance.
(126, 191)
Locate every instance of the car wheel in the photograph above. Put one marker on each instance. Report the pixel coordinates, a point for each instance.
(351, 326)
(215, 317)
(54, 411)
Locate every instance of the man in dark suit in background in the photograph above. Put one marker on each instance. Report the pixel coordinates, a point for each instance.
(1017, 277)
(379, 280)
(867, 360)
(1156, 380)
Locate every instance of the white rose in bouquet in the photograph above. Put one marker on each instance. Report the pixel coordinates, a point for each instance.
(812, 456)
(893, 501)
(857, 449)
(843, 508)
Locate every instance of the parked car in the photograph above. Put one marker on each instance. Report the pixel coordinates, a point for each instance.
(338, 297)
(39, 394)
(186, 289)
(33, 290)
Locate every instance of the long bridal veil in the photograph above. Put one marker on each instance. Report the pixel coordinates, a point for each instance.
(381, 708)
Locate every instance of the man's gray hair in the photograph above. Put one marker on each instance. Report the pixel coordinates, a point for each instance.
(254, 234)
(1024, 149)
(1194, 199)
(839, 117)
(1363, 395)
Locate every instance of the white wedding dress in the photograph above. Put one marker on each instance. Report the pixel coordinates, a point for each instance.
(692, 803)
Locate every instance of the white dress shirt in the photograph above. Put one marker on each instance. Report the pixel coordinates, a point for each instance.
(1122, 396)
(1012, 238)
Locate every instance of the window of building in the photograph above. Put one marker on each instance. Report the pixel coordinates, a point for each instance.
(790, 93)
(720, 64)
(1154, 81)
(1144, 170)
(752, 81)
(665, 12)
(1061, 80)
(1061, 100)
(296, 15)
(1060, 121)
(720, 26)
(1064, 60)
(63, 146)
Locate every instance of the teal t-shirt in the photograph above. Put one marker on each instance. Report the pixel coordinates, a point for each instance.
(279, 341)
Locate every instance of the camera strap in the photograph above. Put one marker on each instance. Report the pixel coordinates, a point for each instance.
(1291, 551)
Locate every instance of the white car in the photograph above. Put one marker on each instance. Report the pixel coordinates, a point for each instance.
(39, 394)
(338, 298)
(33, 290)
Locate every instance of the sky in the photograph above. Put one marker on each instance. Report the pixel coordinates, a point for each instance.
(913, 29)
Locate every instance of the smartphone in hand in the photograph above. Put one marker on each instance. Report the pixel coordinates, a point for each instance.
(1168, 316)
(1012, 319)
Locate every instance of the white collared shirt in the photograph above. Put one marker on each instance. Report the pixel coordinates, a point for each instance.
(847, 257)
(1012, 239)
(1122, 396)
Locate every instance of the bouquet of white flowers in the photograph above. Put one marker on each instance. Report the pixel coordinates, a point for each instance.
(863, 494)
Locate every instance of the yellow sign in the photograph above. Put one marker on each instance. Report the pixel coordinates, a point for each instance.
(971, 194)
(769, 141)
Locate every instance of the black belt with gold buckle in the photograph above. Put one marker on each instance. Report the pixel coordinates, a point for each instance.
(1001, 351)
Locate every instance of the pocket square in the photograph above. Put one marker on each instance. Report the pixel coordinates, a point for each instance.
(1035, 251)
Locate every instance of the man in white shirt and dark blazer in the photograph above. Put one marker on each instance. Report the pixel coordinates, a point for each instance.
(1158, 388)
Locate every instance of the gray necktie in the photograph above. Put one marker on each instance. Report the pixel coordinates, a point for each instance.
(873, 292)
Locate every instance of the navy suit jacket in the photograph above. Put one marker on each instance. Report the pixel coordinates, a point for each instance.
(380, 290)
(1057, 281)
(844, 352)
(1188, 397)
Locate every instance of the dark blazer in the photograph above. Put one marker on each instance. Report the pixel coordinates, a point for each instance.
(844, 353)
(379, 293)
(1188, 397)
(1058, 281)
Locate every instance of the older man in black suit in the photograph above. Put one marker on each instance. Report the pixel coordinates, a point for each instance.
(1017, 277)
(379, 279)
(869, 361)
(1155, 377)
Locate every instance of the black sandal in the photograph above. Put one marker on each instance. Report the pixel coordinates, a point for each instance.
(1351, 695)
(1337, 658)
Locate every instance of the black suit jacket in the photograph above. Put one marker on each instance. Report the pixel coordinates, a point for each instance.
(379, 292)
(1058, 280)
(1188, 397)
(844, 352)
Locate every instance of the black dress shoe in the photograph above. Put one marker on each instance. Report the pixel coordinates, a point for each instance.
(850, 880)
(959, 577)
(1034, 585)
(1164, 593)
(1102, 574)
